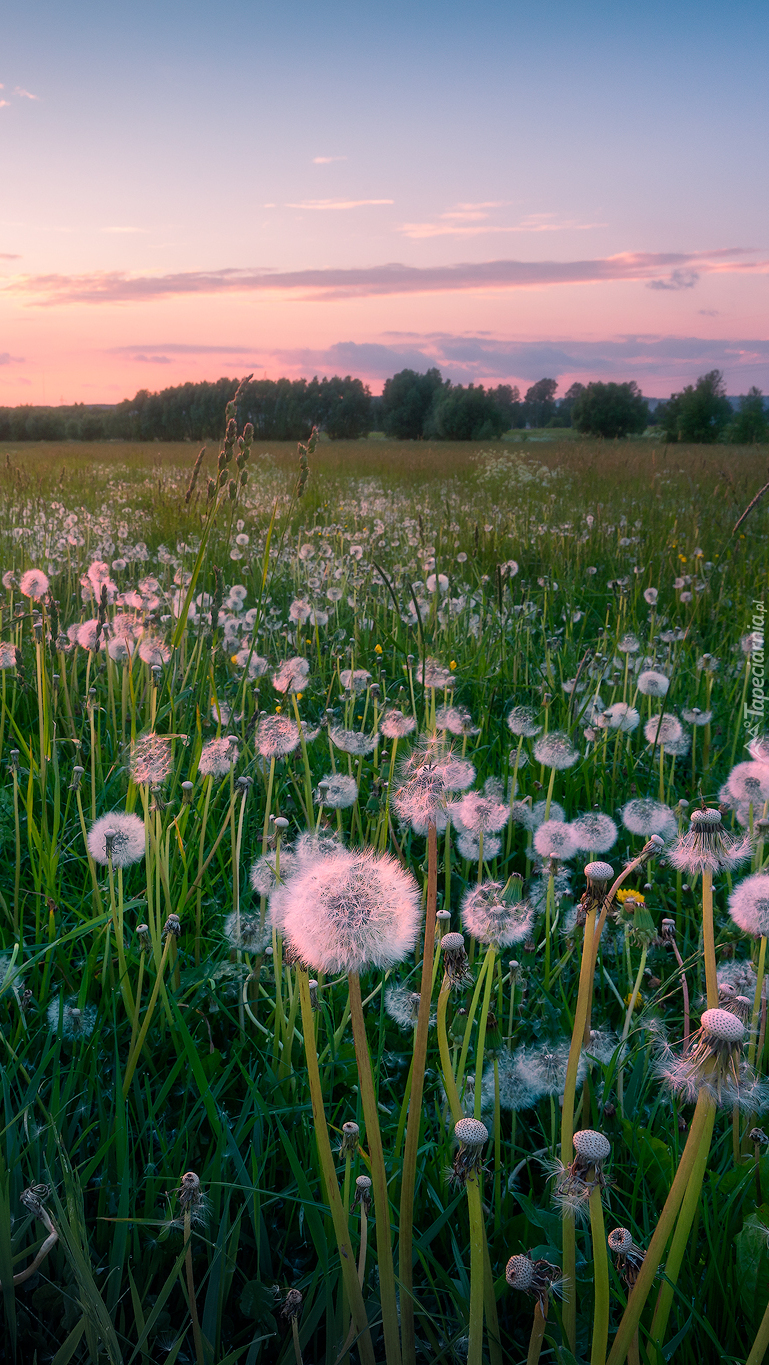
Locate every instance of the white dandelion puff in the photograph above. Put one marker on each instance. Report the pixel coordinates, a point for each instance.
(749, 908)
(490, 917)
(218, 756)
(34, 584)
(652, 684)
(594, 832)
(554, 839)
(120, 835)
(277, 736)
(291, 676)
(645, 816)
(555, 750)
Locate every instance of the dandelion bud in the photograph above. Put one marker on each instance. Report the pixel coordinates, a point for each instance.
(244, 785)
(77, 772)
(281, 823)
(187, 790)
(313, 989)
(350, 1136)
(362, 1193)
(667, 930)
(172, 926)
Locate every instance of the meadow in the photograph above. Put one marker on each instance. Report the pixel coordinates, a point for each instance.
(318, 1041)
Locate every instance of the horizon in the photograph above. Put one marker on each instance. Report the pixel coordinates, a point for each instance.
(505, 193)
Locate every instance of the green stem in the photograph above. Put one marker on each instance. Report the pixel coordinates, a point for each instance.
(628, 1017)
(757, 1002)
(709, 940)
(584, 994)
(475, 1213)
(601, 1280)
(489, 967)
(761, 1344)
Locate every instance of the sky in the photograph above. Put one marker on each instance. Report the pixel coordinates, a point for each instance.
(505, 190)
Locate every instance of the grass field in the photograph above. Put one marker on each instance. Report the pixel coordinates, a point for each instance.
(458, 674)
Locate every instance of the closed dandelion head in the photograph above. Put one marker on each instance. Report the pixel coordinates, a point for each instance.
(151, 760)
(593, 832)
(645, 816)
(34, 584)
(620, 716)
(291, 676)
(119, 836)
(555, 750)
(354, 742)
(218, 756)
(348, 912)
(706, 846)
(652, 684)
(292, 1305)
(455, 960)
(491, 916)
(350, 1138)
(363, 1193)
(584, 1174)
(394, 725)
(338, 791)
(749, 905)
(554, 839)
(522, 721)
(538, 1279)
(276, 736)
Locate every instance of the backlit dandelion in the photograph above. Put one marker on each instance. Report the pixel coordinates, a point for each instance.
(714, 1062)
(263, 876)
(651, 683)
(34, 584)
(218, 756)
(749, 908)
(522, 720)
(354, 742)
(119, 836)
(594, 832)
(351, 911)
(402, 1005)
(475, 814)
(277, 736)
(706, 846)
(247, 933)
(554, 839)
(154, 651)
(456, 719)
(151, 760)
(338, 791)
(645, 816)
(619, 716)
(748, 782)
(664, 730)
(291, 676)
(492, 917)
(394, 725)
(555, 750)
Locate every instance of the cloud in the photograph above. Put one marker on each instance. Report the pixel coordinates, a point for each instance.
(5, 104)
(709, 312)
(24, 94)
(123, 229)
(469, 220)
(9, 256)
(680, 279)
(330, 283)
(324, 204)
(326, 160)
(151, 359)
(179, 348)
(7, 359)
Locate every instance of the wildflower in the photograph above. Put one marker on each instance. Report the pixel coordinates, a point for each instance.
(73, 1021)
(522, 720)
(748, 782)
(247, 933)
(276, 736)
(629, 1257)
(476, 814)
(455, 961)
(650, 596)
(352, 741)
(457, 773)
(749, 906)
(456, 719)
(352, 910)
(262, 875)
(714, 1062)
(356, 681)
(664, 729)
(645, 816)
(338, 791)
(394, 725)
(433, 674)
(652, 684)
(150, 760)
(7, 654)
(694, 716)
(594, 832)
(492, 916)
(194, 1203)
(402, 1005)
(619, 716)
(310, 845)
(585, 1173)
(218, 756)
(291, 676)
(119, 836)
(554, 839)
(34, 584)
(538, 1279)
(472, 1136)
(555, 750)
(706, 847)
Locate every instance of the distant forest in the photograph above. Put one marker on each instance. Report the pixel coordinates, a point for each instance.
(412, 406)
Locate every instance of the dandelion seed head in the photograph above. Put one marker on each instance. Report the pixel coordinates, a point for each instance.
(433, 674)
(402, 1005)
(600, 873)
(124, 832)
(749, 907)
(489, 918)
(277, 736)
(748, 782)
(291, 676)
(7, 654)
(262, 875)
(706, 846)
(394, 725)
(652, 684)
(739, 975)
(354, 742)
(154, 651)
(218, 756)
(522, 721)
(456, 719)
(519, 1272)
(554, 839)
(457, 774)
(347, 912)
(74, 1022)
(620, 1241)
(471, 1132)
(620, 716)
(650, 596)
(645, 816)
(592, 1146)
(151, 760)
(357, 680)
(338, 791)
(468, 846)
(555, 750)
(247, 933)
(476, 814)
(663, 729)
(34, 584)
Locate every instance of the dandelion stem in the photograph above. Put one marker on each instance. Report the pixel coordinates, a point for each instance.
(196, 1333)
(757, 1001)
(709, 940)
(378, 1174)
(601, 1278)
(761, 1344)
(475, 1214)
(626, 1029)
(586, 973)
(537, 1334)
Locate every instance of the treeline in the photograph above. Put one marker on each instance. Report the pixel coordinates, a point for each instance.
(412, 406)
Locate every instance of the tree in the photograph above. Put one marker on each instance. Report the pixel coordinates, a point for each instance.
(406, 402)
(507, 397)
(700, 413)
(610, 410)
(540, 402)
(565, 405)
(750, 423)
(460, 414)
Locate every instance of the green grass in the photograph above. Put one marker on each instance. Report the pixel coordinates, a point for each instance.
(226, 1097)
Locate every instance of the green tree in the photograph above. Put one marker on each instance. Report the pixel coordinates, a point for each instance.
(565, 405)
(698, 414)
(470, 414)
(406, 402)
(750, 423)
(610, 410)
(540, 402)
